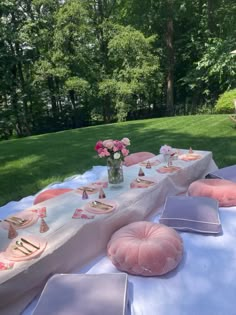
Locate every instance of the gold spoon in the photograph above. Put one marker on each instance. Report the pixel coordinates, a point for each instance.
(20, 244)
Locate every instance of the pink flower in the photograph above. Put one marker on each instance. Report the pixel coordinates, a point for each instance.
(125, 152)
(104, 153)
(166, 149)
(108, 144)
(119, 145)
(114, 149)
(126, 141)
(98, 145)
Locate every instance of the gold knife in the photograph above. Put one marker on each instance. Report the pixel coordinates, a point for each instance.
(28, 242)
(101, 205)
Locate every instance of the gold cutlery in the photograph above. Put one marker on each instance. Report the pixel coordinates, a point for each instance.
(139, 180)
(28, 242)
(18, 219)
(22, 251)
(87, 189)
(101, 205)
(13, 222)
(20, 244)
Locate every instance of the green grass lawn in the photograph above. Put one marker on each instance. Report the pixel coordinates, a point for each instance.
(29, 164)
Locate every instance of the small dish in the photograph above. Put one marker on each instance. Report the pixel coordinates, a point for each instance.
(190, 157)
(32, 247)
(152, 163)
(143, 182)
(100, 207)
(168, 169)
(89, 189)
(21, 220)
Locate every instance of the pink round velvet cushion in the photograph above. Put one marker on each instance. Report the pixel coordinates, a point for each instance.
(220, 189)
(145, 248)
(137, 157)
(50, 193)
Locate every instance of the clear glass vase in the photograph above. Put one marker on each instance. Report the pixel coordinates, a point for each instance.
(115, 171)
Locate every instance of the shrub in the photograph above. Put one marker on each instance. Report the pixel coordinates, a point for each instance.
(225, 103)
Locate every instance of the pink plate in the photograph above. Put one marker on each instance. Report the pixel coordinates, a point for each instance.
(168, 169)
(16, 255)
(101, 207)
(190, 157)
(29, 217)
(100, 184)
(152, 163)
(143, 182)
(89, 189)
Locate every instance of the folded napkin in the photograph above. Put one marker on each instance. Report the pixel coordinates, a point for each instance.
(199, 214)
(228, 173)
(84, 294)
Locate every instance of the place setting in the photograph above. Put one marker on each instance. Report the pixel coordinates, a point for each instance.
(89, 189)
(20, 220)
(143, 182)
(149, 164)
(168, 168)
(101, 207)
(25, 247)
(190, 156)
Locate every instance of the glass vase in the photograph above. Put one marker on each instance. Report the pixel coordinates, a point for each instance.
(115, 171)
(166, 157)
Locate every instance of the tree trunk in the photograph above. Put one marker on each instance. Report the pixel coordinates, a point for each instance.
(170, 61)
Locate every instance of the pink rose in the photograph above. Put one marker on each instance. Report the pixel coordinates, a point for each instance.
(104, 153)
(108, 144)
(98, 145)
(125, 152)
(125, 141)
(118, 144)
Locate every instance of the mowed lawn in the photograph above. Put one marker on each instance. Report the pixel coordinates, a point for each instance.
(29, 164)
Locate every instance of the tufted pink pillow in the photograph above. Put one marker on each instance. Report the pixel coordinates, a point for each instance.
(145, 248)
(137, 157)
(220, 189)
(50, 193)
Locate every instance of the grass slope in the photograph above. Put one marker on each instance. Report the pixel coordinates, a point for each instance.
(29, 164)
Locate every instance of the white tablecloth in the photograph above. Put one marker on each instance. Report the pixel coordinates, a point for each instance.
(159, 295)
(203, 284)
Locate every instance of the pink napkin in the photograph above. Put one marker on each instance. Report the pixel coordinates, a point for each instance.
(5, 264)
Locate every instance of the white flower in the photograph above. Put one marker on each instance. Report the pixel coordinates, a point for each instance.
(166, 149)
(125, 141)
(116, 156)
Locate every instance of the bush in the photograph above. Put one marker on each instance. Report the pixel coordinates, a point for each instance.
(225, 103)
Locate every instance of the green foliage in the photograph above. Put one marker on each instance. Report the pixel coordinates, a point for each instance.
(64, 64)
(225, 103)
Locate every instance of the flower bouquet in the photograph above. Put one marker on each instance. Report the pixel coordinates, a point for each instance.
(114, 151)
(167, 151)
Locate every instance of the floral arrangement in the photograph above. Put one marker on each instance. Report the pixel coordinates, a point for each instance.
(114, 149)
(166, 149)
